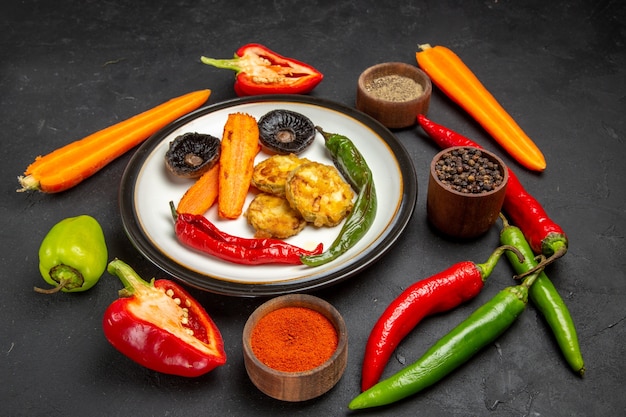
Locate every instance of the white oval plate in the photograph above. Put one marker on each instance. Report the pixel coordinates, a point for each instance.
(147, 188)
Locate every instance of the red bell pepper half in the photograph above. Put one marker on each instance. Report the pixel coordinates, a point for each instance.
(160, 326)
(262, 71)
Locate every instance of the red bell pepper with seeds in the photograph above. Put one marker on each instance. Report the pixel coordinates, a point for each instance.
(160, 326)
(263, 71)
(544, 235)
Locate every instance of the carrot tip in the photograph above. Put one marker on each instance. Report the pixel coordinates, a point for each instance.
(28, 183)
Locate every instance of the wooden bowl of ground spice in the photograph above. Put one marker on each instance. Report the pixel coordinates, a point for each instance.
(295, 347)
(394, 93)
(466, 190)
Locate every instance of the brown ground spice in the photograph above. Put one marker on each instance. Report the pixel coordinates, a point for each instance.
(394, 88)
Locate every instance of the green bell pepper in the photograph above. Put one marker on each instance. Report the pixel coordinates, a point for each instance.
(73, 255)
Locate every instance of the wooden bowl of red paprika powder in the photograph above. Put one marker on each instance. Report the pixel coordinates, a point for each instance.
(295, 347)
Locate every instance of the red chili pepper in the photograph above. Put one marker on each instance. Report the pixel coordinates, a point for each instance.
(441, 292)
(262, 71)
(544, 235)
(160, 326)
(197, 232)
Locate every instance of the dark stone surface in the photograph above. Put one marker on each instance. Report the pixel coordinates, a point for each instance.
(68, 69)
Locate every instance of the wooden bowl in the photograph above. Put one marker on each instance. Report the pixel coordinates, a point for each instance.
(464, 215)
(302, 385)
(402, 110)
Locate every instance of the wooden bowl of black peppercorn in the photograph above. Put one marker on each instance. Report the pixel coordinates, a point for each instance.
(466, 191)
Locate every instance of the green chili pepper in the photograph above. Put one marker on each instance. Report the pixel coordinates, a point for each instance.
(482, 327)
(73, 255)
(350, 162)
(347, 158)
(546, 298)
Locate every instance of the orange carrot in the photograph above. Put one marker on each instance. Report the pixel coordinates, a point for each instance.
(69, 165)
(240, 145)
(448, 72)
(202, 193)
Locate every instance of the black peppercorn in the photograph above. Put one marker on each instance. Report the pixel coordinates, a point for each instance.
(466, 170)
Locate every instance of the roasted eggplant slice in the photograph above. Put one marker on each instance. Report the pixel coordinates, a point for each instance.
(273, 217)
(284, 131)
(319, 193)
(192, 154)
(270, 175)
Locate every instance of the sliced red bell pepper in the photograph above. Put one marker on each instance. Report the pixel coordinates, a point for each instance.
(263, 71)
(160, 326)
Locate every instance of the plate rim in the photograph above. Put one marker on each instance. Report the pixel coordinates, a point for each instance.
(398, 223)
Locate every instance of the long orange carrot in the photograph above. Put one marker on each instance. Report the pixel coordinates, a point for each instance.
(240, 145)
(202, 193)
(448, 72)
(69, 165)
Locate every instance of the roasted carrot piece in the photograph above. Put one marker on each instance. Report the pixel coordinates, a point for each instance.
(69, 165)
(240, 145)
(448, 72)
(202, 193)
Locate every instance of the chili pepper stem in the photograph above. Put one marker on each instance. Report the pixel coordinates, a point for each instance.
(326, 135)
(532, 277)
(543, 262)
(173, 210)
(486, 267)
(561, 250)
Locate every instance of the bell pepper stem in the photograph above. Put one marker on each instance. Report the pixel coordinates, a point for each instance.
(231, 64)
(52, 290)
(66, 276)
(131, 280)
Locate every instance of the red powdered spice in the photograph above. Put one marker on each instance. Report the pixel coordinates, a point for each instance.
(294, 339)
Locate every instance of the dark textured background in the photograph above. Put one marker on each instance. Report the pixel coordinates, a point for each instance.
(68, 69)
